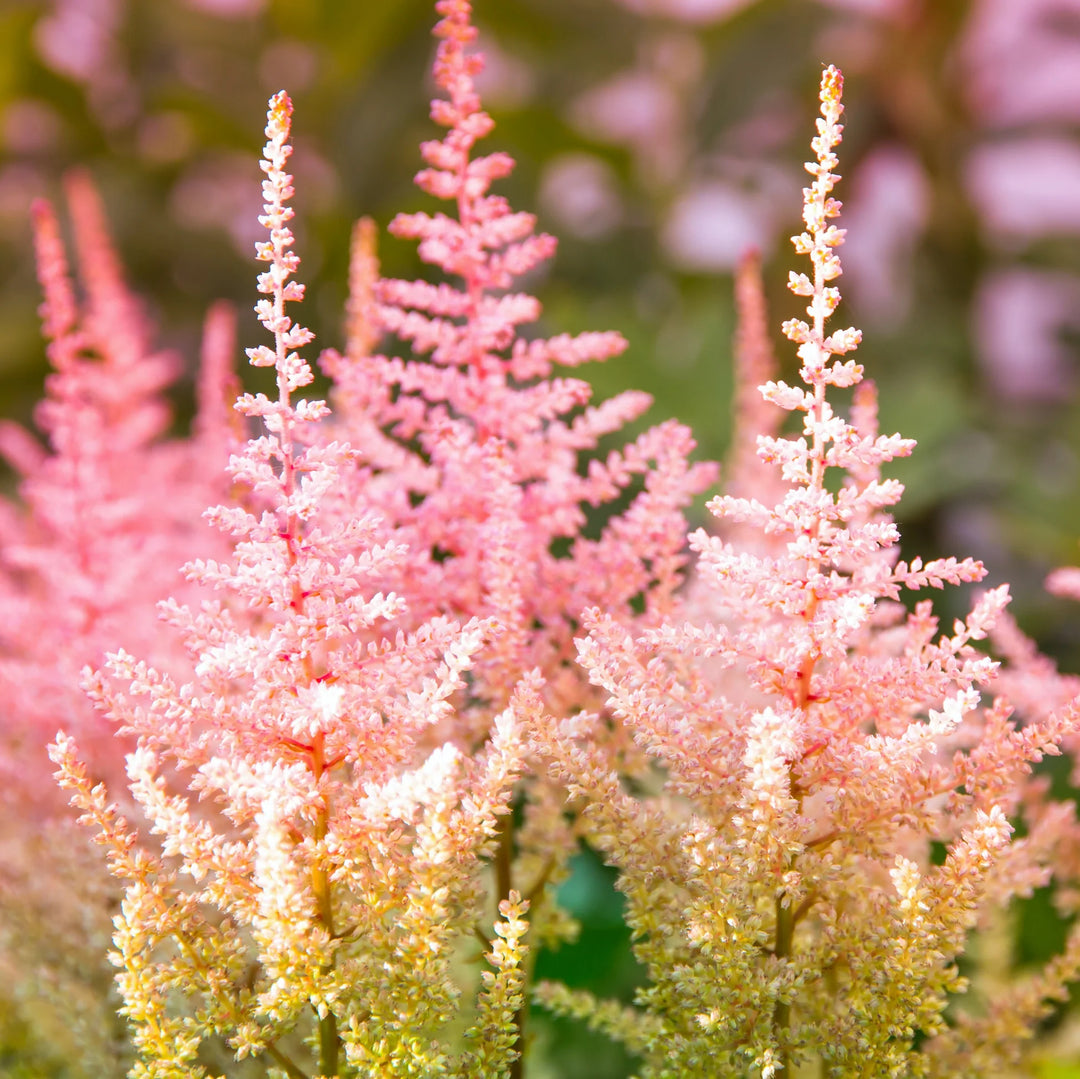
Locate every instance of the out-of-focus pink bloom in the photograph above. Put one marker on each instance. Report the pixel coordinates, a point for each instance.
(710, 11)
(640, 109)
(1026, 188)
(1019, 322)
(111, 510)
(228, 9)
(885, 215)
(1022, 62)
(746, 473)
(506, 82)
(580, 194)
(107, 511)
(1065, 582)
(80, 41)
(635, 107)
(77, 38)
(647, 107)
(215, 192)
(691, 11)
(713, 224)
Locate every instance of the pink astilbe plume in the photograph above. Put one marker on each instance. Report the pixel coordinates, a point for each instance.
(479, 452)
(1065, 582)
(109, 511)
(105, 513)
(485, 442)
(316, 880)
(818, 746)
(746, 473)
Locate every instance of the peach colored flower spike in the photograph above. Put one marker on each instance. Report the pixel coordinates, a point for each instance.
(833, 801)
(329, 826)
(819, 242)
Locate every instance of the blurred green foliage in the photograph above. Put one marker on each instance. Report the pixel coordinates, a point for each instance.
(1060, 1071)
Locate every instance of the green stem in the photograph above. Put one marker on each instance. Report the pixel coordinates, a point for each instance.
(785, 932)
(329, 1045)
(504, 884)
(329, 1042)
(285, 1063)
(504, 856)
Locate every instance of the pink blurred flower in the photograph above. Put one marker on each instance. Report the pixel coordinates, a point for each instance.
(1019, 322)
(107, 511)
(1022, 62)
(713, 224)
(635, 107)
(228, 9)
(691, 11)
(886, 214)
(80, 41)
(506, 82)
(215, 192)
(641, 109)
(1026, 188)
(580, 193)
(77, 38)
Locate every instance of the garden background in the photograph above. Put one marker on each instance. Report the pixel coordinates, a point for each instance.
(658, 139)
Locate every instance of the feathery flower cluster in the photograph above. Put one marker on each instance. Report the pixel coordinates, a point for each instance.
(324, 887)
(364, 738)
(816, 743)
(485, 461)
(491, 491)
(107, 512)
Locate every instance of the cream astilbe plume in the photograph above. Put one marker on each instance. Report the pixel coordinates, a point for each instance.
(323, 891)
(816, 744)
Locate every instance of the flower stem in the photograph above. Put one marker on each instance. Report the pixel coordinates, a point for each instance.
(785, 932)
(504, 884)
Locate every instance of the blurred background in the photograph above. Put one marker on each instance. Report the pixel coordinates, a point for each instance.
(658, 139)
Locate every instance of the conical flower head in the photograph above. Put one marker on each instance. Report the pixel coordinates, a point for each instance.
(817, 745)
(497, 494)
(325, 861)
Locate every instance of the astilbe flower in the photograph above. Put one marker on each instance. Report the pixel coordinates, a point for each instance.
(105, 513)
(745, 473)
(1065, 582)
(320, 874)
(109, 511)
(480, 453)
(479, 443)
(828, 811)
